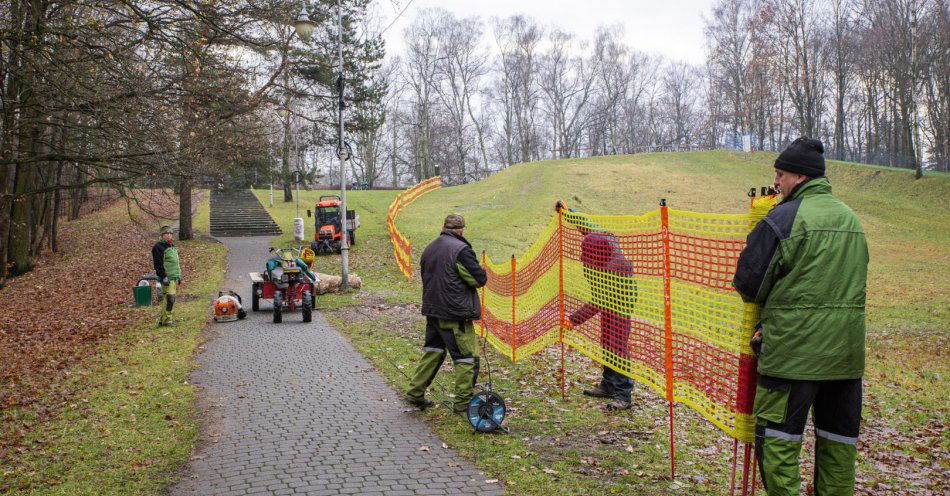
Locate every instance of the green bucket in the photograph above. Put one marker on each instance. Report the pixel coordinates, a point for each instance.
(143, 295)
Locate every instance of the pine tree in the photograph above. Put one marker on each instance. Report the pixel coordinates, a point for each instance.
(317, 64)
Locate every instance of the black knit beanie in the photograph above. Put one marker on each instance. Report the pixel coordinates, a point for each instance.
(803, 156)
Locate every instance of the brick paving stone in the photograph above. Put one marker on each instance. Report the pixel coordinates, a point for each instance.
(295, 409)
(317, 492)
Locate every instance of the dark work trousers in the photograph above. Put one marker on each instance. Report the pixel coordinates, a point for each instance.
(781, 411)
(614, 336)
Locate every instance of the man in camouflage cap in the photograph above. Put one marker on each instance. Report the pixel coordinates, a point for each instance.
(450, 276)
(168, 271)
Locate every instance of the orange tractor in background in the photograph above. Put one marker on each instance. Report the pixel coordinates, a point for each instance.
(328, 229)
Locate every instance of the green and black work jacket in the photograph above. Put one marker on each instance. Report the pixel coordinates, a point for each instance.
(165, 261)
(450, 276)
(806, 262)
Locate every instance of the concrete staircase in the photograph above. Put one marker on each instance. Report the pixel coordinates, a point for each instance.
(238, 213)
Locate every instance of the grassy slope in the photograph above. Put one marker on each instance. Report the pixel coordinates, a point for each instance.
(909, 293)
(904, 218)
(136, 421)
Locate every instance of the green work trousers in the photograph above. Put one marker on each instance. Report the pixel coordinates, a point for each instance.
(168, 301)
(459, 340)
(781, 411)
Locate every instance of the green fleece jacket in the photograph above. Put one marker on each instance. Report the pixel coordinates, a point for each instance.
(171, 263)
(806, 263)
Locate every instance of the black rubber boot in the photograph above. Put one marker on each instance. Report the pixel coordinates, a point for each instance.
(619, 404)
(596, 392)
(420, 404)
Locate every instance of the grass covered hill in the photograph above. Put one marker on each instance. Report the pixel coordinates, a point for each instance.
(906, 220)
(573, 446)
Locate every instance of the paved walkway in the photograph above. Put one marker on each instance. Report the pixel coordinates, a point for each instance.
(294, 409)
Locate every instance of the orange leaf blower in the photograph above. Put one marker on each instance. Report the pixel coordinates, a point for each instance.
(227, 307)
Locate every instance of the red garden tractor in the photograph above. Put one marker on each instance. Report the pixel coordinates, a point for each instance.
(287, 282)
(328, 225)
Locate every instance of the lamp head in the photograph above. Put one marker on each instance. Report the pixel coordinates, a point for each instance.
(303, 25)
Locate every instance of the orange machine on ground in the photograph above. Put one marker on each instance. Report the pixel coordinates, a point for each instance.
(328, 225)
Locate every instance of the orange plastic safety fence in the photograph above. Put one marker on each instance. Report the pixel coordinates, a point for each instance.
(402, 246)
(521, 314)
(649, 296)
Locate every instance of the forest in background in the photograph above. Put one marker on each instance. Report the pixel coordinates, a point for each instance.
(871, 79)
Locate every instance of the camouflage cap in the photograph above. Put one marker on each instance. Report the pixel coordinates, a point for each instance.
(453, 221)
(165, 229)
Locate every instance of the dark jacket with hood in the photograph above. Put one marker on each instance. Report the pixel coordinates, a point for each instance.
(450, 276)
(806, 262)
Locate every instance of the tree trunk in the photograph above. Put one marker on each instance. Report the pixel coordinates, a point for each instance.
(20, 232)
(57, 207)
(76, 195)
(45, 222)
(184, 209)
(6, 176)
(285, 160)
(839, 117)
(393, 155)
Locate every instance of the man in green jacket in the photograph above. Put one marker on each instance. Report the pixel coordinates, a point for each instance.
(168, 271)
(806, 264)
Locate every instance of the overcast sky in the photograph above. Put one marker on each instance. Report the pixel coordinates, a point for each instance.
(673, 28)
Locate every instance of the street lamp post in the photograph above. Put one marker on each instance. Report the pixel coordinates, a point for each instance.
(304, 28)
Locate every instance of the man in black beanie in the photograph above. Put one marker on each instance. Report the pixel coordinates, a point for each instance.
(802, 160)
(806, 263)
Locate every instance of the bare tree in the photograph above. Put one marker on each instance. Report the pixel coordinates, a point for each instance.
(422, 52)
(566, 82)
(681, 83)
(461, 66)
(935, 73)
(730, 50)
(518, 38)
(840, 62)
(795, 23)
(613, 70)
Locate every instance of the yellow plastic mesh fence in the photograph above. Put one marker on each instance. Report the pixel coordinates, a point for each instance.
(649, 296)
(402, 247)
